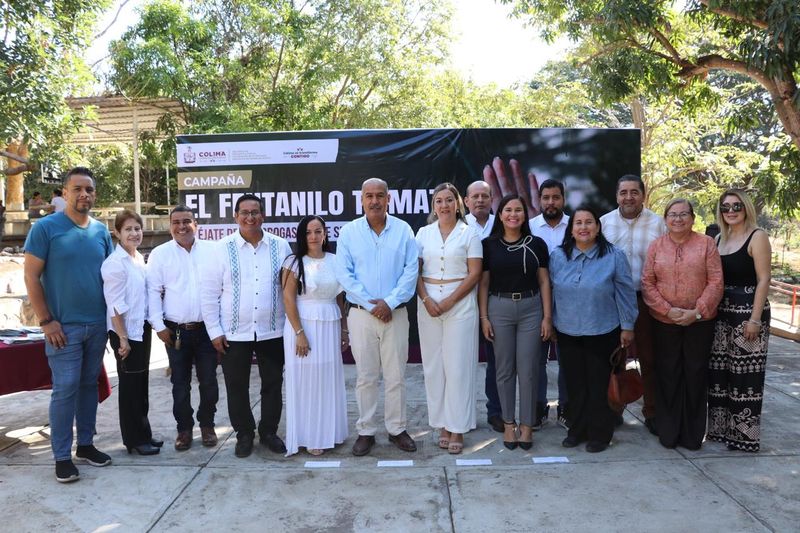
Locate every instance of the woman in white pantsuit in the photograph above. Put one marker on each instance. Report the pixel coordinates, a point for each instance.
(450, 255)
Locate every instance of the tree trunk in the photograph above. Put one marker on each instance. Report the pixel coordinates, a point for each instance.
(15, 192)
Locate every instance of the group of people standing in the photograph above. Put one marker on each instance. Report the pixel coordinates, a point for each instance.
(575, 287)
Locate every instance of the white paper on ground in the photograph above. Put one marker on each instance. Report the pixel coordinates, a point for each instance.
(545, 460)
(323, 464)
(473, 462)
(382, 464)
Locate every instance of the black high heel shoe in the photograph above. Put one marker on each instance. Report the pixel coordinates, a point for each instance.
(144, 449)
(156, 443)
(511, 445)
(525, 444)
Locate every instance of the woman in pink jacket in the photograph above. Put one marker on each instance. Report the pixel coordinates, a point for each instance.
(682, 286)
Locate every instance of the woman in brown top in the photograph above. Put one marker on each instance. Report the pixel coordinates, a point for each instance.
(682, 286)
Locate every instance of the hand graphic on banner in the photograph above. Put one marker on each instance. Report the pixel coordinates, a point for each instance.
(502, 184)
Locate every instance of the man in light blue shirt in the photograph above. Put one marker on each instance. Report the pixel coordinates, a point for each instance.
(377, 264)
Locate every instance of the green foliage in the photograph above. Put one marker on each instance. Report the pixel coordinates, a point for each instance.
(40, 64)
(646, 49)
(254, 65)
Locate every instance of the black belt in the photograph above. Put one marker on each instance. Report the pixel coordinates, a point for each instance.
(515, 295)
(188, 326)
(400, 306)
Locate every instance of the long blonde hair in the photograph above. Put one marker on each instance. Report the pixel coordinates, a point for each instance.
(750, 221)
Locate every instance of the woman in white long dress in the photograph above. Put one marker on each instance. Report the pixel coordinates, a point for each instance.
(314, 336)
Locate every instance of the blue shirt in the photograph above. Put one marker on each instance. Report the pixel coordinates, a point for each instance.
(377, 267)
(592, 295)
(72, 255)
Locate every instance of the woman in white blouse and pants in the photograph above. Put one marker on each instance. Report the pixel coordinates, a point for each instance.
(450, 267)
(126, 299)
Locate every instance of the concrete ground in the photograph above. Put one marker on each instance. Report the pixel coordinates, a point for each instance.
(636, 485)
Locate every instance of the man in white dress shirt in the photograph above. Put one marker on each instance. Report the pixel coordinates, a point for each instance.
(550, 226)
(242, 307)
(376, 263)
(632, 227)
(173, 277)
(478, 200)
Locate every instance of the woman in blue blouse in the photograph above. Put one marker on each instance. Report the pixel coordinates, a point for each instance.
(594, 311)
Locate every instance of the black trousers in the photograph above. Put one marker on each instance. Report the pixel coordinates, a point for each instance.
(682, 354)
(236, 369)
(133, 389)
(584, 361)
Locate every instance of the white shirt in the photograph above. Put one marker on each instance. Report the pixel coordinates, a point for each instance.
(124, 291)
(173, 282)
(633, 236)
(58, 203)
(241, 295)
(483, 231)
(552, 236)
(447, 259)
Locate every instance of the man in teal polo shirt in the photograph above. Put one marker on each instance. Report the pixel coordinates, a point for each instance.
(63, 255)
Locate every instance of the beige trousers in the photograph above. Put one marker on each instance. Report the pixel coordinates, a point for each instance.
(380, 346)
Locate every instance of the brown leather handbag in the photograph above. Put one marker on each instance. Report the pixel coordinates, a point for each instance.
(625, 385)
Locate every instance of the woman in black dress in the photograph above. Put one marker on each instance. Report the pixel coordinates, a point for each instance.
(739, 353)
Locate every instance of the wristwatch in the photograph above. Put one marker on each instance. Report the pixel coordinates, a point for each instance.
(43, 323)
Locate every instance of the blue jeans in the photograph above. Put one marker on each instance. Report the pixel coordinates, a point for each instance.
(196, 348)
(547, 348)
(75, 368)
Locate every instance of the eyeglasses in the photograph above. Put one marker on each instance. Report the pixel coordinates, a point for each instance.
(735, 207)
(683, 214)
(254, 214)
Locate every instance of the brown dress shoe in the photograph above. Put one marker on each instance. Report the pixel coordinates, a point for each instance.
(363, 445)
(404, 442)
(209, 437)
(183, 441)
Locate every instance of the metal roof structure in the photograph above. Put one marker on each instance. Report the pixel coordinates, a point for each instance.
(119, 119)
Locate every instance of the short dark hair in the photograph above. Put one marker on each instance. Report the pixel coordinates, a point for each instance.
(58, 192)
(631, 177)
(125, 215)
(35, 194)
(78, 171)
(549, 184)
(181, 208)
(249, 197)
(603, 246)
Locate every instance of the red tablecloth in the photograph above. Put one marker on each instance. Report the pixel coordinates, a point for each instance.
(23, 367)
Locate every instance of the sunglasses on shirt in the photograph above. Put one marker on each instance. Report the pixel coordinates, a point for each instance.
(735, 207)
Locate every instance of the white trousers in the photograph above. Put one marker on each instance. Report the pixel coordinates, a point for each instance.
(380, 346)
(449, 345)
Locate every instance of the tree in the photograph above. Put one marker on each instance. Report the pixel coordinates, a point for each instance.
(40, 63)
(277, 65)
(647, 48)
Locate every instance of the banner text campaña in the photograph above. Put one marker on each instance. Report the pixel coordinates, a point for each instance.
(303, 203)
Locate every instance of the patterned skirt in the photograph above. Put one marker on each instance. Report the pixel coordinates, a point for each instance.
(736, 373)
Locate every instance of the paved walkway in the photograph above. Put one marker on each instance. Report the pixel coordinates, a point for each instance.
(636, 485)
